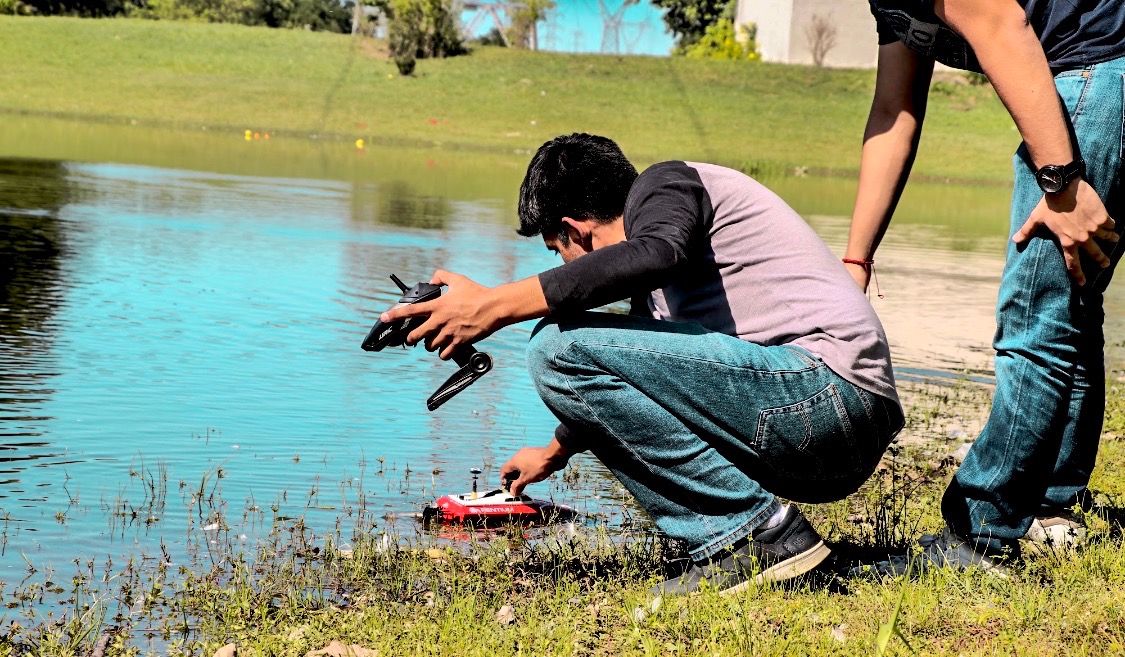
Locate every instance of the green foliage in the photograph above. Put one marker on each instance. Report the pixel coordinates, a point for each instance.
(81, 8)
(977, 79)
(492, 38)
(14, 8)
(721, 42)
(524, 18)
(330, 15)
(689, 19)
(421, 29)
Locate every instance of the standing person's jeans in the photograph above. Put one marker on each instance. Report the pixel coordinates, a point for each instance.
(1036, 452)
(704, 429)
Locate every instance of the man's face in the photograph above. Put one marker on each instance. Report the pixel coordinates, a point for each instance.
(568, 250)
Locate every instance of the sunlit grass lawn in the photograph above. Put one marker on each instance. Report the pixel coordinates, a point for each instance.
(755, 116)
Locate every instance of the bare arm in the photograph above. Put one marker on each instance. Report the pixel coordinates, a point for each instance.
(1010, 54)
(890, 142)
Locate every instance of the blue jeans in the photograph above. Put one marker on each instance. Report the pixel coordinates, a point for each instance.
(705, 429)
(1035, 453)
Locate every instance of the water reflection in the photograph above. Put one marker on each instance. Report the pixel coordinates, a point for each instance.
(398, 203)
(33, 247)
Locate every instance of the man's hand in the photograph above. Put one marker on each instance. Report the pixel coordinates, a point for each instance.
(461, 316)
(534, 464)
(1076, 216)
(469, 312)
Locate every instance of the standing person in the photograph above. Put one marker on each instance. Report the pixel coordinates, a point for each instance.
(1057, 65)
(751, 368)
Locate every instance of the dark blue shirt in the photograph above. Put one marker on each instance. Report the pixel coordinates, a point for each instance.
(1074, 33)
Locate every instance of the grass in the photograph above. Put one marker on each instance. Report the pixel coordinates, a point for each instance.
(760, 117)
(298, 591)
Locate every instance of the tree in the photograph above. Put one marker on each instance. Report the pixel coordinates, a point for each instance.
(720, 41)
(689, 19)
(522, 33)
(422, 28)
(820, 34)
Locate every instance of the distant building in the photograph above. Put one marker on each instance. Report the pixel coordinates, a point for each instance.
(791, 31)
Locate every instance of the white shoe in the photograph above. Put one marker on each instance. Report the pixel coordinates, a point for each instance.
(1062, 532)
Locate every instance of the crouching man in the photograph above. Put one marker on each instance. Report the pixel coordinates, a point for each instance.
(750, 368)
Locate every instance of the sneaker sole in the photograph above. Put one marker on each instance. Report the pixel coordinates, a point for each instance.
(794, 566)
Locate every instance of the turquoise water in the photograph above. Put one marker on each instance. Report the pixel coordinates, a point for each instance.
(179, 347)
(171, 323)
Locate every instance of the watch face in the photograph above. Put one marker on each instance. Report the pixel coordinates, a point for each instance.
(1051, 179)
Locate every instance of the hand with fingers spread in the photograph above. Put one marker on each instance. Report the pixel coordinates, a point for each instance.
(1077, 218)
(469, 312)
(460, 316)
(534, 464)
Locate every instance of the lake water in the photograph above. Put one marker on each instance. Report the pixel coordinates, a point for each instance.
(182, 312)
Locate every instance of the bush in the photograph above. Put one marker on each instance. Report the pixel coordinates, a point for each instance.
(719, 42)
(492, 38)
(420, 29)
(14, 8)
(689, 19)
(977, 79)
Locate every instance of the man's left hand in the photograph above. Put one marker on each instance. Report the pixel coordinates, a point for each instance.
(463, 315)
(1076, 215)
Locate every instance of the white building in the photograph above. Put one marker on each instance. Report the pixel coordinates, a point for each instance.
(788, 31)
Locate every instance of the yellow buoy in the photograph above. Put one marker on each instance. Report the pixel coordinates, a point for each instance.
(249, 135)
(359, 143)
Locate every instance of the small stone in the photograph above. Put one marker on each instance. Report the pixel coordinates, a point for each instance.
(962, 451)
(956, 433)
(229, 650)
(639, 614)
(574, 601)
(506, 615)
(838, 632)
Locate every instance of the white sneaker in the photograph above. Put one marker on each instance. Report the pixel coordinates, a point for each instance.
(1062, 532)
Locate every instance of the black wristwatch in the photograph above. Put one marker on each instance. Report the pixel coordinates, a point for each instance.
(1053, 178)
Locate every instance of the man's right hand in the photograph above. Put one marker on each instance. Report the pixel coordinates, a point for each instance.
(533, 464)
(1076, 216)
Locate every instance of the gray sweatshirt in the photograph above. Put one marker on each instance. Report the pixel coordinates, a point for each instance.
(710, 245)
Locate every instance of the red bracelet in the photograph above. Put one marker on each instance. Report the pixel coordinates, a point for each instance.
(869, 267)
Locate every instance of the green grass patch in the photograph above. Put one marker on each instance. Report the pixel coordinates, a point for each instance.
(764, 118)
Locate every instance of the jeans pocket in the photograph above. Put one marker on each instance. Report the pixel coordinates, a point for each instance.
(809, 440)
(1072, 87)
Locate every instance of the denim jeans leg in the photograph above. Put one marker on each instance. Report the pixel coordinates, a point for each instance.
(1042, 433)
(676, 413)
(1082, 432)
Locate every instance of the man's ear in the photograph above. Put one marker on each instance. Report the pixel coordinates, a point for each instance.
(579, 231)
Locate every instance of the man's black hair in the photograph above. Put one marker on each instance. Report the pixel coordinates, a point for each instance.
(579, 176)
